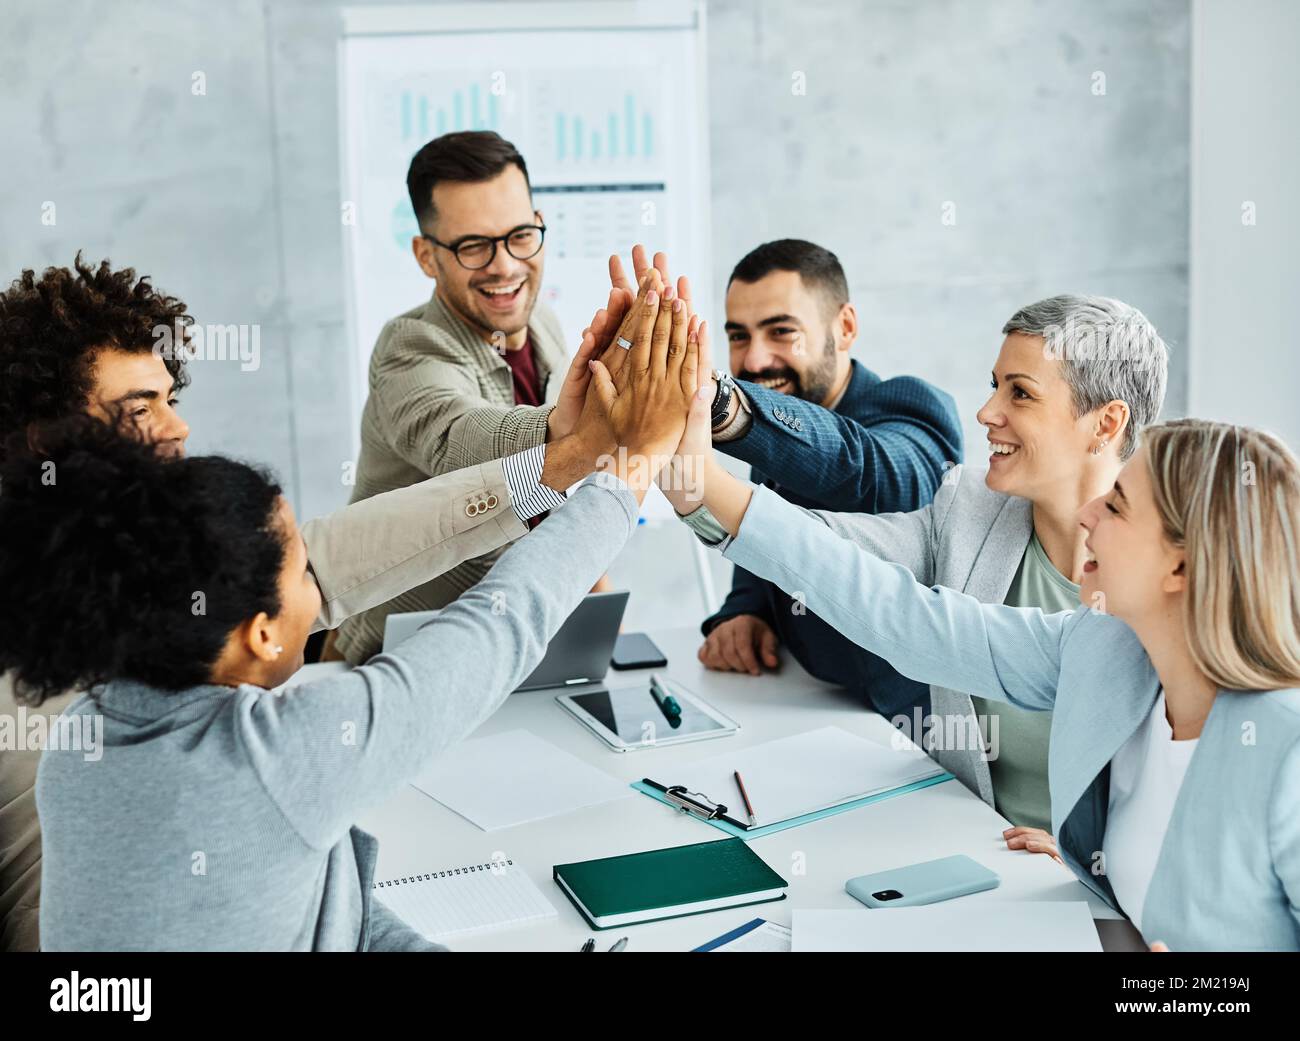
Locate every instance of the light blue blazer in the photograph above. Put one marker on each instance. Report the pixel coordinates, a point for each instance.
(1228, 873)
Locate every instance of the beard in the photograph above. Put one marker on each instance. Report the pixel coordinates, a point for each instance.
(813, 384)
(466, 302)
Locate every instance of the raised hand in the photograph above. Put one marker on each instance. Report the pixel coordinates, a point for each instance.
(622, 288)
(648, 398)
(598, 342)
(640, 268)
(573, 394)
(682, 480)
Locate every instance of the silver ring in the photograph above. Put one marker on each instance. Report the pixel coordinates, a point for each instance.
(624, 342)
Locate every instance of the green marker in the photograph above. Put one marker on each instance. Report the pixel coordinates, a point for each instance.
(666, 702)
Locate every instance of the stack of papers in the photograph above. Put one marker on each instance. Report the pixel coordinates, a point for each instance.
(513, 778)
(806, 773)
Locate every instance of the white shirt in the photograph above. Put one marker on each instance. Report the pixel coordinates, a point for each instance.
(1145, 777)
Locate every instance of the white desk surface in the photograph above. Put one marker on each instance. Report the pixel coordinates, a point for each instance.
(417, 834)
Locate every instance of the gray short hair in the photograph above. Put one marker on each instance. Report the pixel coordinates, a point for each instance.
(1108, 351)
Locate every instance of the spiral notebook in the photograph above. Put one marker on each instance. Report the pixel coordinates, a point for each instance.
(461, 901)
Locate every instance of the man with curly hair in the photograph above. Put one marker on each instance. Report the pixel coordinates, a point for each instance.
(89, 340)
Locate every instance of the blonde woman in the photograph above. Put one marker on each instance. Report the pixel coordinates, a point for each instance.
(1175, 749)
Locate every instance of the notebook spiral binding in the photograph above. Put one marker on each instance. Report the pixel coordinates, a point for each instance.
(469, 869)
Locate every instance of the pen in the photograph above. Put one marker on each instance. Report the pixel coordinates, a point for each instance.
(666, 702)
(753, 821)
(619, 946)
(589, 946)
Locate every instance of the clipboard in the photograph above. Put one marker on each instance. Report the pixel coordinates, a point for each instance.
(699, 806)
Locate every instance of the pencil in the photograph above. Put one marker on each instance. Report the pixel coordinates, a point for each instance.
(753, 821)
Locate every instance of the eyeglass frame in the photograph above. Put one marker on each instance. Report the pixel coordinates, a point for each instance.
(454, 248)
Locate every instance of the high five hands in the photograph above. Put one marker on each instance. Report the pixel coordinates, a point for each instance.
(644, 393)
(607, 324)
(618, 404)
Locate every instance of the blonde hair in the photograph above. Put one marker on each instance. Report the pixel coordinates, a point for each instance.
(1229, 497)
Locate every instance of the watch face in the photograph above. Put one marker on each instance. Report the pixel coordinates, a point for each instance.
(721, 398)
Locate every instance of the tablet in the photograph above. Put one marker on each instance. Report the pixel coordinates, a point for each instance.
(629, 718)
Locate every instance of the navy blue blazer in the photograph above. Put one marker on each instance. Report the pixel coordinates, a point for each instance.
(884, 449)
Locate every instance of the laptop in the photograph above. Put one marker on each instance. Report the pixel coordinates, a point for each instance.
(579, 653)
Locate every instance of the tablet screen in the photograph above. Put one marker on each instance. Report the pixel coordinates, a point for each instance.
(633, 714)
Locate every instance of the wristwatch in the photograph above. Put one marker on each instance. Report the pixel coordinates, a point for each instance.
(726, 387)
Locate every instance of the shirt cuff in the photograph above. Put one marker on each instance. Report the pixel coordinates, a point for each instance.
(740, 422)
(706, 526)
(528, 496)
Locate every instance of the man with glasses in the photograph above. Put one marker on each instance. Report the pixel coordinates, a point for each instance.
(473, 374)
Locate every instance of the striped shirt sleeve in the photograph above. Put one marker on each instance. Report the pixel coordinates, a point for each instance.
(528, 496)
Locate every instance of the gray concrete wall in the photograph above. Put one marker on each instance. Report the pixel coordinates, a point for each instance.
(1244, 344)
(231, 199)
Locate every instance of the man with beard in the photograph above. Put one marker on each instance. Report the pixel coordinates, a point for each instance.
(827, 433)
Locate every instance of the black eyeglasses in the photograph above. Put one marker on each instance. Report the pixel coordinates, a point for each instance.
(478, 251)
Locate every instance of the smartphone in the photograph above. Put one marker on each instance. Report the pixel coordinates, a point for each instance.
(924, 883)
(637, 651)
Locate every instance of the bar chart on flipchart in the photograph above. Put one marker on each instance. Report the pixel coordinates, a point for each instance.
(605, 102)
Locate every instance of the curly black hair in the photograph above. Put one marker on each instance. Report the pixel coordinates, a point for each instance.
(51, 328)
(104, 548)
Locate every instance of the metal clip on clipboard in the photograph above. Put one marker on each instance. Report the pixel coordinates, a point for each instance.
(697, 804)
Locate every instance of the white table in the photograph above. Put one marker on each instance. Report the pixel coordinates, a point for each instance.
(417, 834)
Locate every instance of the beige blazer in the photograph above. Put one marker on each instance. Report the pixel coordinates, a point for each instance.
(441, 398)
(361, 556)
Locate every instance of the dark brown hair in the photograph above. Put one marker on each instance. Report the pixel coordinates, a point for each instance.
(817, 267)
(469, 156)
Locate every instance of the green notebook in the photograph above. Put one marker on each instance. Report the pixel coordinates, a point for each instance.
(669, 883)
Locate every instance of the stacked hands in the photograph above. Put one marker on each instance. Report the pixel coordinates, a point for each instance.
(641, 411)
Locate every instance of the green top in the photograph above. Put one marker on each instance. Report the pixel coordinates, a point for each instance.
(1019, 770)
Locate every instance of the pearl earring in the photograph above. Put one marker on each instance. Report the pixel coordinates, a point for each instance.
(1098, 449)
(279, 651)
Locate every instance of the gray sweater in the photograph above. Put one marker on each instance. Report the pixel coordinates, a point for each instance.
(220, 818)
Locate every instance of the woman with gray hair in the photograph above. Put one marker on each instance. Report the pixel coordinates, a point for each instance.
(1075, 381)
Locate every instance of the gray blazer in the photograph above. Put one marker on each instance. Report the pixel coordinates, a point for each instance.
(970, 539)
(220, 818)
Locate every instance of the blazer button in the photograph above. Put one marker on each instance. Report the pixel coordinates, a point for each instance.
(492, 502)
(471, 509)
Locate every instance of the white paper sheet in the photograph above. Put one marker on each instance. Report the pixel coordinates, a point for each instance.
(804, 773)
(515, 777)
(984, 925)
(768, 938)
